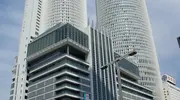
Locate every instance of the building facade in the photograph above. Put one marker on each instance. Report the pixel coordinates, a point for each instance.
(65, 11)
(64, 63)
(59, 65)
(30, 29)
(14, 82)
(127, 22)
(129, 88)
(171, 91)
(40, 15)
(103, 82)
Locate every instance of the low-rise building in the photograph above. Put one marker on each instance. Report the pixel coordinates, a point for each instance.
(130, 88)
(171, 91)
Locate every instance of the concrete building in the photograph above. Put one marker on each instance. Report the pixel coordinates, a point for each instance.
(64, 63)
(30, 29)
(171, 91)
(129, 87)
(65, 11)
(14, 82)
(59, 65)
(103, 82)
(127, 22)
(40, 15)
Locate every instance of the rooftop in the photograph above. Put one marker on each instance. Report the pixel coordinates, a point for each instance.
(58, 36)
(128, 67)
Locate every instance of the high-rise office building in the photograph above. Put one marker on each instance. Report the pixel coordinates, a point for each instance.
(59, 65)
(103, 82)
(64, 63)
(65, 11)
(171, 91)
(39, 15)
(127, 22)
(30, 29)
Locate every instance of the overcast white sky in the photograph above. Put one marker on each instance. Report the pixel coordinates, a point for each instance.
(165, 20)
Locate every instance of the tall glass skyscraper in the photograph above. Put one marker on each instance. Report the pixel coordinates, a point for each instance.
(40, 15)
(127, 22)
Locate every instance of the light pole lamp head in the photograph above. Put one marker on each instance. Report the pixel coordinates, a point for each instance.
(104, 67)
(132, 53)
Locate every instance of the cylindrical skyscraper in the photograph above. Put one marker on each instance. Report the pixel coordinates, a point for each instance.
(40, 15)
(65, 11)
(127, 22)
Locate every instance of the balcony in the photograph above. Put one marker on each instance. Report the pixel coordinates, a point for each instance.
(69, 93)
(77, 69)
(69, 86)
(47, 60)
(67, 77)
(14, 69)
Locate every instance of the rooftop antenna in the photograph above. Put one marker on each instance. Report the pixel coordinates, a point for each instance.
(89, 21)
(92, 23)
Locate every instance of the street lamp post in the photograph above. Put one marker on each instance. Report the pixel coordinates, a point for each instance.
(118, 69)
